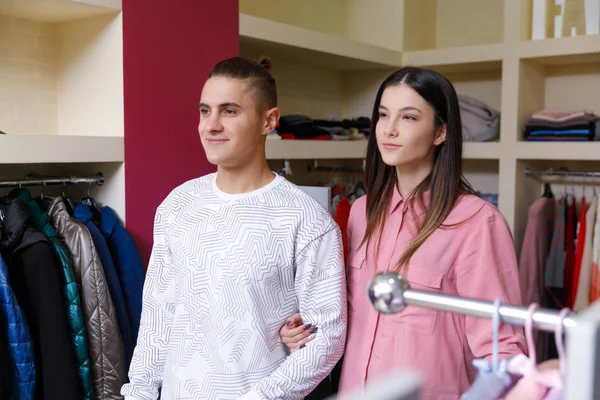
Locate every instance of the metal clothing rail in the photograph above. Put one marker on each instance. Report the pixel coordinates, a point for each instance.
(97, 179)
(390, 293)
(562, 172)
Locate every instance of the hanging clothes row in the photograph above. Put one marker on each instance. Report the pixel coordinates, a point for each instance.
(71, 282)
(558, 264)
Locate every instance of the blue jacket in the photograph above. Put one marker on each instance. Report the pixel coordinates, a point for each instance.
(128, 263)
(83, 213)
(21, 371)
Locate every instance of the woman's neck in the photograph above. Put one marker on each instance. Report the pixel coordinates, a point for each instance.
(409, 177)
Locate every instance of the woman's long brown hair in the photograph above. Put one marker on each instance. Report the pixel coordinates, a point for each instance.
(445, 181)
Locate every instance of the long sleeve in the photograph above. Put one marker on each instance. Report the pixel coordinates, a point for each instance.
(321, 291)
(147, 366)
(488, 270)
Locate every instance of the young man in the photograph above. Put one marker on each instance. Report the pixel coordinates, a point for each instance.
(235, 253)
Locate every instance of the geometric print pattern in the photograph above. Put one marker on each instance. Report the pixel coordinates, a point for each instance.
(225, 272)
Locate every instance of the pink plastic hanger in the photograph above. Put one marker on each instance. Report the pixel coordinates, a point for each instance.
(526, 366)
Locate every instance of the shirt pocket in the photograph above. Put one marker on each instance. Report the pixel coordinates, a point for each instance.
(415, 318)
(354, 272)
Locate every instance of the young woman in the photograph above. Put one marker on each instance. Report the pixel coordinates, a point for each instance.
(421, 218)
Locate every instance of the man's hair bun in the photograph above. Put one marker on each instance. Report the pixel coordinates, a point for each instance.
(265, 62)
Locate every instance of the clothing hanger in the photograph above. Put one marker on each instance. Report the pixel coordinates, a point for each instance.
(547, 191)
(492, 380)
(526, 367)
(91, 203)
(495, 335)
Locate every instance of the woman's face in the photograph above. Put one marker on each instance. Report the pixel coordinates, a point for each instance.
(406, 132)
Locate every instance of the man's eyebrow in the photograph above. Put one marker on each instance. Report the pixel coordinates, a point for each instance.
(222, 105)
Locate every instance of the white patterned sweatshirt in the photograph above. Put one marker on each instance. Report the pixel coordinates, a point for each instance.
(225, 273)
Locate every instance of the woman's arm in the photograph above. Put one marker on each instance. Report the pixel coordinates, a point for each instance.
(488, 270)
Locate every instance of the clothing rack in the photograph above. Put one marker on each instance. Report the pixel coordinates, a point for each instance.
(316, 167)
(562, 172)
(97, 179)
(390, 293)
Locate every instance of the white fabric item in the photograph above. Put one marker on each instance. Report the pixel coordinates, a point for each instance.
(226, 271)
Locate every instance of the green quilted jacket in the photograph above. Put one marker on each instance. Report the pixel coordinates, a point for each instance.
(40, 220)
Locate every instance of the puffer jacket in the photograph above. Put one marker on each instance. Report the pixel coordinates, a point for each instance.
(21, 363)
(128, 263)
(104, 337)
(35, 280)
(71, 297)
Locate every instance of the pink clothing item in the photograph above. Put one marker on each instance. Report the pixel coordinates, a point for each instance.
(562, 115)
(543, 382)
(535, 249)
(474, 259)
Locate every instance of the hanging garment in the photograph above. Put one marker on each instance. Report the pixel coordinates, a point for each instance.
(35, 280)
(595, 284)
(4, 361)
(581, 236)
(20, 363)
(583, 277)
(342, 214)
(489, 385)
(555, 265)
(535, 249)
(71, 298)
(128, 263)
(84, 214)
(106, 346)
(570, 250)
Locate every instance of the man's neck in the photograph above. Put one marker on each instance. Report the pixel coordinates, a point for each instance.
(243, 180)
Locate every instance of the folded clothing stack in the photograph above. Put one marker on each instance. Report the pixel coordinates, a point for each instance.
(302, 127)
(480, 122)
(559, 125)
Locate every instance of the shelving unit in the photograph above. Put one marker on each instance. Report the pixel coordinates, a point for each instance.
(486, 52)
(61, 92)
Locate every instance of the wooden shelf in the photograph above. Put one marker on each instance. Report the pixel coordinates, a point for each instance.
(58, 10)
(356, 149)
(290, 42)
(562, 51)
(458, 59)
(582, 151)
(281, 149)
(24, 149)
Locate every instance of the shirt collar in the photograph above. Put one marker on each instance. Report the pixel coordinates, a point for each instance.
(399, 204)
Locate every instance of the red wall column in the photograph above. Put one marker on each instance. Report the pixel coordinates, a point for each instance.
(168, 49)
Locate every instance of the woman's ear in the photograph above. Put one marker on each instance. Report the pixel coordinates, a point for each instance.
(440, 136)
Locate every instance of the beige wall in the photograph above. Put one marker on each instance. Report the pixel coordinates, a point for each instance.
(64, 79)
(329, 16)
(28, 55)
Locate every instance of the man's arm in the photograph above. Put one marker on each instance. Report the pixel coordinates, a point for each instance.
(146, 370)
(321, 290)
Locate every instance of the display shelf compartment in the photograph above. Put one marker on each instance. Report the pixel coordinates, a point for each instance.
(307, 46)
(547, 83)
(62, 78)
(436, 24)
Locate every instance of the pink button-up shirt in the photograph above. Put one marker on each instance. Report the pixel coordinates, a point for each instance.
(474, 259)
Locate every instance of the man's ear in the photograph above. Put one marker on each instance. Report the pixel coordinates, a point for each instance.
(271, 120)
(440, 136)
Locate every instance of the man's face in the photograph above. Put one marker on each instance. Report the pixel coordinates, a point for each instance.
(232, 128)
